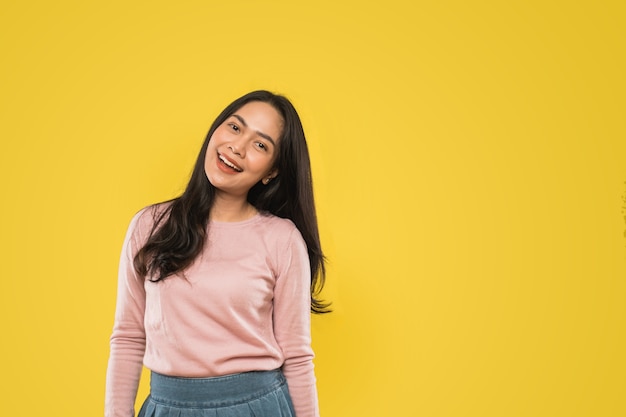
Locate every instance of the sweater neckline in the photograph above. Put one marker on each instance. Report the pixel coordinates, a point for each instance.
(256, 218)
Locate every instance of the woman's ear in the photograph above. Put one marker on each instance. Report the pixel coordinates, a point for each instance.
(272, 174)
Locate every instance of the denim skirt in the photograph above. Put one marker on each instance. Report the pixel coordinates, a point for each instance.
(247, 394)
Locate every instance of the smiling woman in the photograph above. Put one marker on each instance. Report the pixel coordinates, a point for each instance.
(216, 286)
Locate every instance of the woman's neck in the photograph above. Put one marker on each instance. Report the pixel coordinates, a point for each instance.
(231, 210)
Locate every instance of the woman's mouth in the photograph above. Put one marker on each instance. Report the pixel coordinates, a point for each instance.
(228, 163)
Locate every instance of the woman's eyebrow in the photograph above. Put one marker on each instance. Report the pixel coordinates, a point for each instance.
(263, 135)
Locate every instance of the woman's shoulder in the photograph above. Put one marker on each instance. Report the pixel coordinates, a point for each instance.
(147, 217)
(276, 223)
(279, 228)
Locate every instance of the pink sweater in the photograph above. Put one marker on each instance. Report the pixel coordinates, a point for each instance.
(244, 306)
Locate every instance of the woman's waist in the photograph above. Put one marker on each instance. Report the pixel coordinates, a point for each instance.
(217, 390)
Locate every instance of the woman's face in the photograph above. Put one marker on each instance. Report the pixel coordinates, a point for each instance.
(243, 149)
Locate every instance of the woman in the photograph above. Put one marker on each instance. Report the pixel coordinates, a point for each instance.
(216, 286)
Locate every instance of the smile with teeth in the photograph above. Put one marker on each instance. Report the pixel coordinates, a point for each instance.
(229, 164)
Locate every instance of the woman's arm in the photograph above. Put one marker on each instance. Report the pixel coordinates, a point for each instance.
(292, 324)
(128, 339)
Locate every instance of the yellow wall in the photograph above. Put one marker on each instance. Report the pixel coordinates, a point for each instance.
(469, 164)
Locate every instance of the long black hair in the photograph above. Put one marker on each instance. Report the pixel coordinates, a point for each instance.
(179, 232)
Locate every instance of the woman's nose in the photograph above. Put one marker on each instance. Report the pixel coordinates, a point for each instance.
(234, 149)
(237, 147)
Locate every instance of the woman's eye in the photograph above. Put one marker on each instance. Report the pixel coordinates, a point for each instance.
(261, 146)
(234, 127)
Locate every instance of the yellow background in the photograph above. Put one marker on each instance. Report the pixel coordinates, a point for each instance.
(469, 168)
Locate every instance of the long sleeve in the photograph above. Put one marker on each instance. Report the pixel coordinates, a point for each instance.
(292, 325)
(128, 339)
(242, 306)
